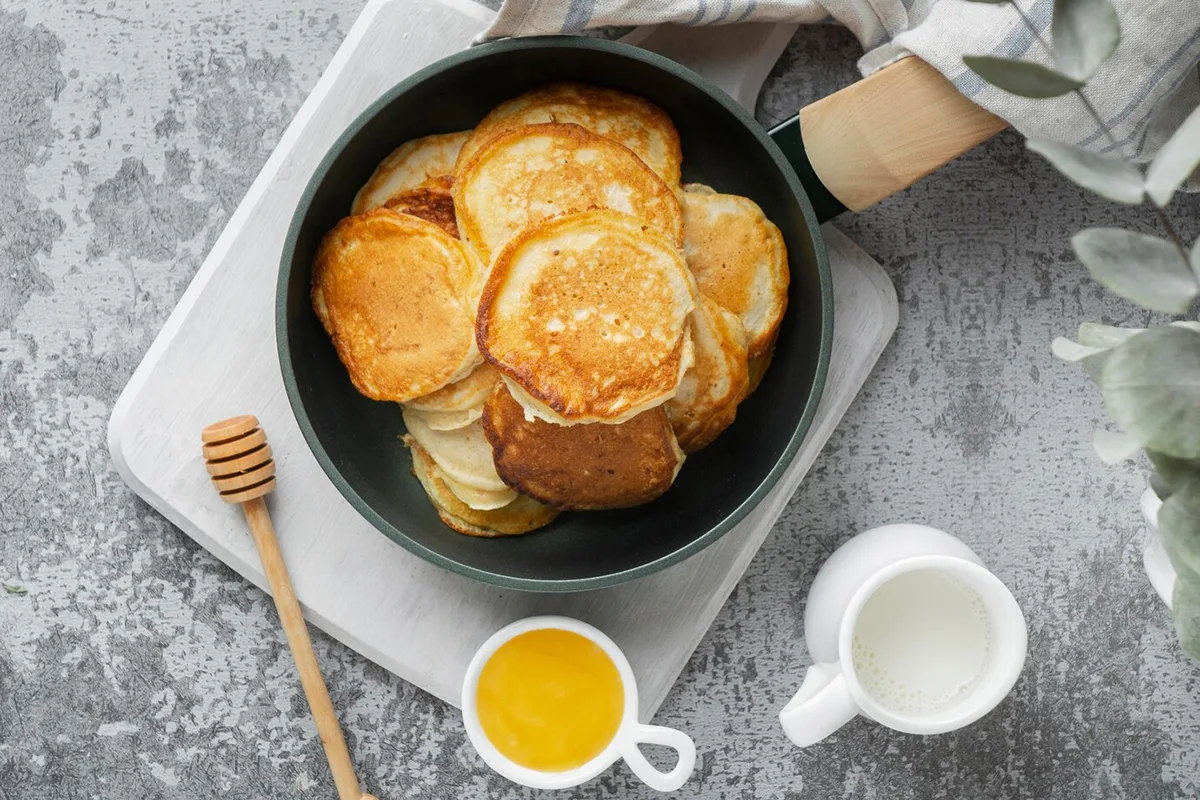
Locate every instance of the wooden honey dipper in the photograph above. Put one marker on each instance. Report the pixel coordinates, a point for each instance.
(239, 460)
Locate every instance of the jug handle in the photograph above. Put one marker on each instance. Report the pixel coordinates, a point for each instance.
(821, 706)
(678, 741)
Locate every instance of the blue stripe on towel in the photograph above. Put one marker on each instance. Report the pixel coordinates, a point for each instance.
(727, 6)
(579, 14)
(1015, 43)
(1141, 94)
(750, 6)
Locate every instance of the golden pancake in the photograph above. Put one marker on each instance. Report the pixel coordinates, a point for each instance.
(389, 289)
(466, 394)
(432, 204)
(528, 174)
(739, 259)
(427, 162)
(588, 314)
(710, 391)
(582, 467)
(519, 516)
(634, 122)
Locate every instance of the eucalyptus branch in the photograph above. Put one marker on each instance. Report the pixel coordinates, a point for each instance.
(1149, 378)
(1100, 123)
(1172, 234)
(1108, 134)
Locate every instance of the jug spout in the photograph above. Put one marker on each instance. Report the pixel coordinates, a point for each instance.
(821, 706)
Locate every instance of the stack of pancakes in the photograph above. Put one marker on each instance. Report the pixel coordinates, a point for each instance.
(560, 319)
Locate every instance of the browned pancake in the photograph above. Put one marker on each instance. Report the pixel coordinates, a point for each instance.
(391, 291)
(430, 203)
(739, 259)
(587, 314)
(527, 174)
(422, 163)
(581, 467)
(631, 120)
(711, 390)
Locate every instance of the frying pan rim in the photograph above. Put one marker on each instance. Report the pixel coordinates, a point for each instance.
(731, 519)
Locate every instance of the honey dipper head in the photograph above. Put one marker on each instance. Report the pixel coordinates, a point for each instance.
(238, 458)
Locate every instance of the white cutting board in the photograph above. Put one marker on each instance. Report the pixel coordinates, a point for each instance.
(216, 357)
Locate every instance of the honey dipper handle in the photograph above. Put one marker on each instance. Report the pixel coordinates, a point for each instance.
(302, 651)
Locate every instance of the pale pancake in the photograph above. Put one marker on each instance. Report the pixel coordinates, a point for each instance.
(466, 394)
(739, 259)
(463, 454)
(711, 390)
(525, 175)
(582, 467)
(432, 204)
(758, 367)
(631, 120)
(479, 499)
(522, 515)
(392, 292)
(588, 314)
(427, 162)
(447, 420)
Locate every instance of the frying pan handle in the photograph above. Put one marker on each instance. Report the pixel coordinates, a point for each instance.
(881, 135)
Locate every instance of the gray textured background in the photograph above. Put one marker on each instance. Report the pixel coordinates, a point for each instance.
(137, 666)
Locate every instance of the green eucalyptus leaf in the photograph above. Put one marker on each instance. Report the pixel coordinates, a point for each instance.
(1141, 268)
(1179, 527)
(14, 588)
(1111, 177)
(1185, 608)
(1084, 33)
(1181, 475)
(1161, 488)
(1023, 78)
(1093, 366)
(1175, 161)
(1066, 350)
(1151, 388)
(1114, 447)
(1093, 334)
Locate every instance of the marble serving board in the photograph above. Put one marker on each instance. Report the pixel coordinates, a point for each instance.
(216, 357)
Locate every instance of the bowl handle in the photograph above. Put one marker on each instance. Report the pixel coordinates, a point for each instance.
(880, 135)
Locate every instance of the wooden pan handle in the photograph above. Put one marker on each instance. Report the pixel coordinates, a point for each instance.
(889, 130)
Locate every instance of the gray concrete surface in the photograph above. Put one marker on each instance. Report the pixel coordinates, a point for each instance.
(137, 666)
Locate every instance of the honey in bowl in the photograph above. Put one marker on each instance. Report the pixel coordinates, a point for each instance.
(550, 700)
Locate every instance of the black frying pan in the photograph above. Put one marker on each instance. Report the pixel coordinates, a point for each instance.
(355, 439)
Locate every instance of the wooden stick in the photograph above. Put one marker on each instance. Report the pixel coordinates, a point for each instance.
(302, 651)
(240, 464)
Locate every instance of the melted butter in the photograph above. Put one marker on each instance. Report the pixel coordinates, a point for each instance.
(550, 700)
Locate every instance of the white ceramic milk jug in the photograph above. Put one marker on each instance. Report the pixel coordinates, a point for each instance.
(905, 626)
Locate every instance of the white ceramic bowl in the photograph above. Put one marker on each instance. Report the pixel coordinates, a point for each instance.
(624, 744)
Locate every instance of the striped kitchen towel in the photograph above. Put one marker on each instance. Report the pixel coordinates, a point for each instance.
(1143, 92)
